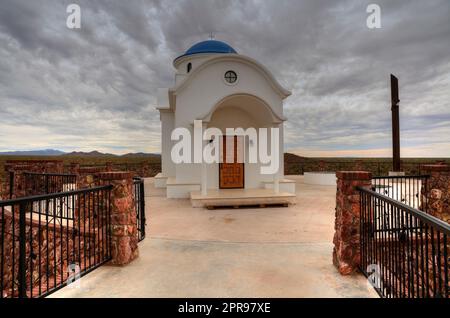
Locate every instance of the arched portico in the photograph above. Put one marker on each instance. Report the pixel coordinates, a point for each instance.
(241, 111)
(261, 112)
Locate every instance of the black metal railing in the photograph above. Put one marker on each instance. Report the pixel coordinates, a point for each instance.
(139, 200)
(404, 251)
(48, 241)
(46, 183)
(409, 190)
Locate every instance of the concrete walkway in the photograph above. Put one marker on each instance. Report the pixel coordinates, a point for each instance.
(271, 252)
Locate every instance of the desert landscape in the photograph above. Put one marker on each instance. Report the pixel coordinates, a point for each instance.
(293, 164)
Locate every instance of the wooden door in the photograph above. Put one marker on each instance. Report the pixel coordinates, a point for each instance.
(231, 170)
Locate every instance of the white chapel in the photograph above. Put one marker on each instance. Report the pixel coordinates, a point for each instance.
(220, 88)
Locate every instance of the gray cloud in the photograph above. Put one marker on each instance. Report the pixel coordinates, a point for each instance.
(96, 87)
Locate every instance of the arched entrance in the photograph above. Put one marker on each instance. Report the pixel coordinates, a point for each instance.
(238, 111)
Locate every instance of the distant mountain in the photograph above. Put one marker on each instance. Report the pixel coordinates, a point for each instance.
(141, 154)
(94, 153)
(45, 152)
(291, 158)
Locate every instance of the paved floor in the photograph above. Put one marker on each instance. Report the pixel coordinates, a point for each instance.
(271, 252)
(311, 220)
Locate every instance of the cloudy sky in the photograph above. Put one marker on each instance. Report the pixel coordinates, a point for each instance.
(96, 87)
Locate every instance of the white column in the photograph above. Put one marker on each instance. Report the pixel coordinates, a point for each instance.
(168, 168)
(276, 176)
(276, 183)
(204, 180)
(204, 167)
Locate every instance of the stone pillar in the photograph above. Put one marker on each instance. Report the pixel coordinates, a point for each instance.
(60, 166)
(146, 170)
(19, 184)
(437, 192)
(6, 186)
(109, 166)
(346, 252)
(123, 216)
(3, 191)
(322, 165)
(87, 176)
(359, 165)
(74, 168)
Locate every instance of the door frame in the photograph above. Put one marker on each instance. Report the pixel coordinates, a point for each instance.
(243, 168)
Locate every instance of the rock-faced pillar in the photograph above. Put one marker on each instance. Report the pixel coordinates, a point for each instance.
(438, 191)
(124, 241)
(74, 168)
(346, 252)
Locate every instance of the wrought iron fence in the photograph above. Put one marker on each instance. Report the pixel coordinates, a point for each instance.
(48, 241)
(46, 183)
(409, 190)
(404, 251)
(139, 199)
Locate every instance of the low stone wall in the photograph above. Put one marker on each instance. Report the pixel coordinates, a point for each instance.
(18, 167)
(87, 174)
(51, 246)
(38, 166)
(144, 170)
(83, 238)
(53, 258)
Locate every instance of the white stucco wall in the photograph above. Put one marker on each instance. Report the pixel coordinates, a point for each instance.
(207, 88)
(195, 60)
(167, 125)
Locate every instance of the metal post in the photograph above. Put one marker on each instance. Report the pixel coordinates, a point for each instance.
(395, 124)
(46, 184)
(142, 198)
(22, 252)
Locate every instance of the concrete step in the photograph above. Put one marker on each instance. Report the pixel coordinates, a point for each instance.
(241, 197)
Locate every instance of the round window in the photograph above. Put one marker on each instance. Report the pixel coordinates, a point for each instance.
(230, 77)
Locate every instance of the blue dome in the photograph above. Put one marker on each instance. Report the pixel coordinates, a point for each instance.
(209, 46)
